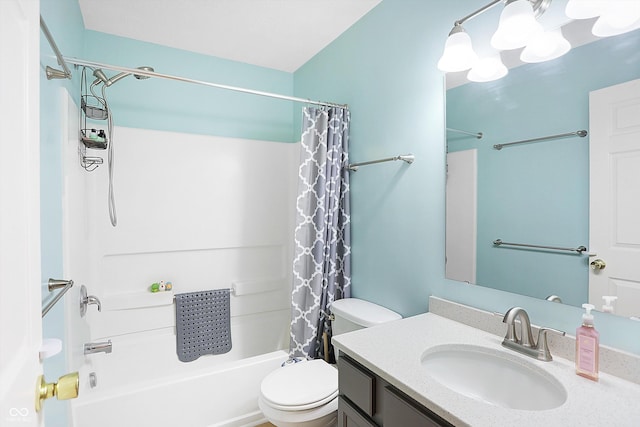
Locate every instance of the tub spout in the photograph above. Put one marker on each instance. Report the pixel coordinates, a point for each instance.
(97, 347)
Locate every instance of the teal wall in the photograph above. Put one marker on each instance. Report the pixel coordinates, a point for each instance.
(183, 107)
(65, 22)
(384, 67)
(537, 193)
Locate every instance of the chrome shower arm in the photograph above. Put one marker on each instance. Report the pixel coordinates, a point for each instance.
(116, 78)
(101, 77)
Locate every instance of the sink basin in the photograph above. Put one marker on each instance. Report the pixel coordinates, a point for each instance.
(493, 377)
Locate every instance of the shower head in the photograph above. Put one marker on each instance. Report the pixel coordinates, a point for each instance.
(143, 68)
(102, 78)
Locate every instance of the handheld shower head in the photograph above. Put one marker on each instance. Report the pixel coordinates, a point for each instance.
(102, 78)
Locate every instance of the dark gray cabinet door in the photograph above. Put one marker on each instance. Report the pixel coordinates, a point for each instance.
(367, 400)
(400, 412)
(348, 416)
(358, 384)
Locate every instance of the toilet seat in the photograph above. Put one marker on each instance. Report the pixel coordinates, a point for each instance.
(301, 386)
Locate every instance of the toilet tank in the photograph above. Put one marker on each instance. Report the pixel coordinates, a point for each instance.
(351, 314)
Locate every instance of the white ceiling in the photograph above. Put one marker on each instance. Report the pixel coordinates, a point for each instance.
(278, 34)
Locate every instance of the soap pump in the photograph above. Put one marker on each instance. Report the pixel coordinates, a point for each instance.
(607, 307)
(587, 346)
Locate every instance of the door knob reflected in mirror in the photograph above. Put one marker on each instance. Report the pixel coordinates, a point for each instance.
(86, 300)
(598, 264)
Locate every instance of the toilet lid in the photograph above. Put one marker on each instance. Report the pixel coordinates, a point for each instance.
(301, 386)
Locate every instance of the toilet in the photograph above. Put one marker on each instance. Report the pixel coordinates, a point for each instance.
(305, 394)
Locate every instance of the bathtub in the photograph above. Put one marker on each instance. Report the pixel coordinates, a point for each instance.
(201, 236)
(222, 395)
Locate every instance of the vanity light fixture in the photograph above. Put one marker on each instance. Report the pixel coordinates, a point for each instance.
(545, 46)
(488, 69)
(614, 16)
(584, 9)
(517, 25)
(458, 52)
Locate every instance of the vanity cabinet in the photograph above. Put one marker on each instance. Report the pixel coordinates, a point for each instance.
(367, 400)
(350, 416)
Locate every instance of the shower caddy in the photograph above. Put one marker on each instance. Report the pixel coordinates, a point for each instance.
(94, 132)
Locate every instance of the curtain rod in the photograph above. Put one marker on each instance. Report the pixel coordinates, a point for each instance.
(146, 73)
(52, 73)
(53, 284)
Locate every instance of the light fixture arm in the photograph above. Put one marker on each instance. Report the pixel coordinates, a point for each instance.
(539, 7)
(456, 29)
(478, 12)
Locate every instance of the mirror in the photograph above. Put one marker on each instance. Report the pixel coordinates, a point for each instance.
(533, 193)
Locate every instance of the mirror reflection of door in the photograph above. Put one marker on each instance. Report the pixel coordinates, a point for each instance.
(614, 121)
(461, 215)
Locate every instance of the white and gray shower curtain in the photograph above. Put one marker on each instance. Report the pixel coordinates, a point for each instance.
(322, 258)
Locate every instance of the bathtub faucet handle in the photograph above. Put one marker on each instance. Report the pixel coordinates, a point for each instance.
(86, 300)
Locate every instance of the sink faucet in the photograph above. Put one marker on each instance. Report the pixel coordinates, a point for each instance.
(97, 347)
(524, 342)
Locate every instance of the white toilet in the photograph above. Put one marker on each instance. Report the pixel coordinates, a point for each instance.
(305, 394)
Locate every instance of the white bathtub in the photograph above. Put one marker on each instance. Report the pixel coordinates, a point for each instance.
(187, 225)
(222, 395)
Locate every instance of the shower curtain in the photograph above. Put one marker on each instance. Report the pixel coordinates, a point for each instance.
(322, 258)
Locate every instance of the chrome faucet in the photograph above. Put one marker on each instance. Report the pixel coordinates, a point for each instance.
(554, 298)
(524, 342)
(97, 347)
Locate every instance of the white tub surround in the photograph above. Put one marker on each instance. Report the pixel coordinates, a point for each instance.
(204, 212)
(394, 352)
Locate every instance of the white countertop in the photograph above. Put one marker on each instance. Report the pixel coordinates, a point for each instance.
(394, 351)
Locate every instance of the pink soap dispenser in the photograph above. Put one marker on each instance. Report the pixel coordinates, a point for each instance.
(587, 346)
